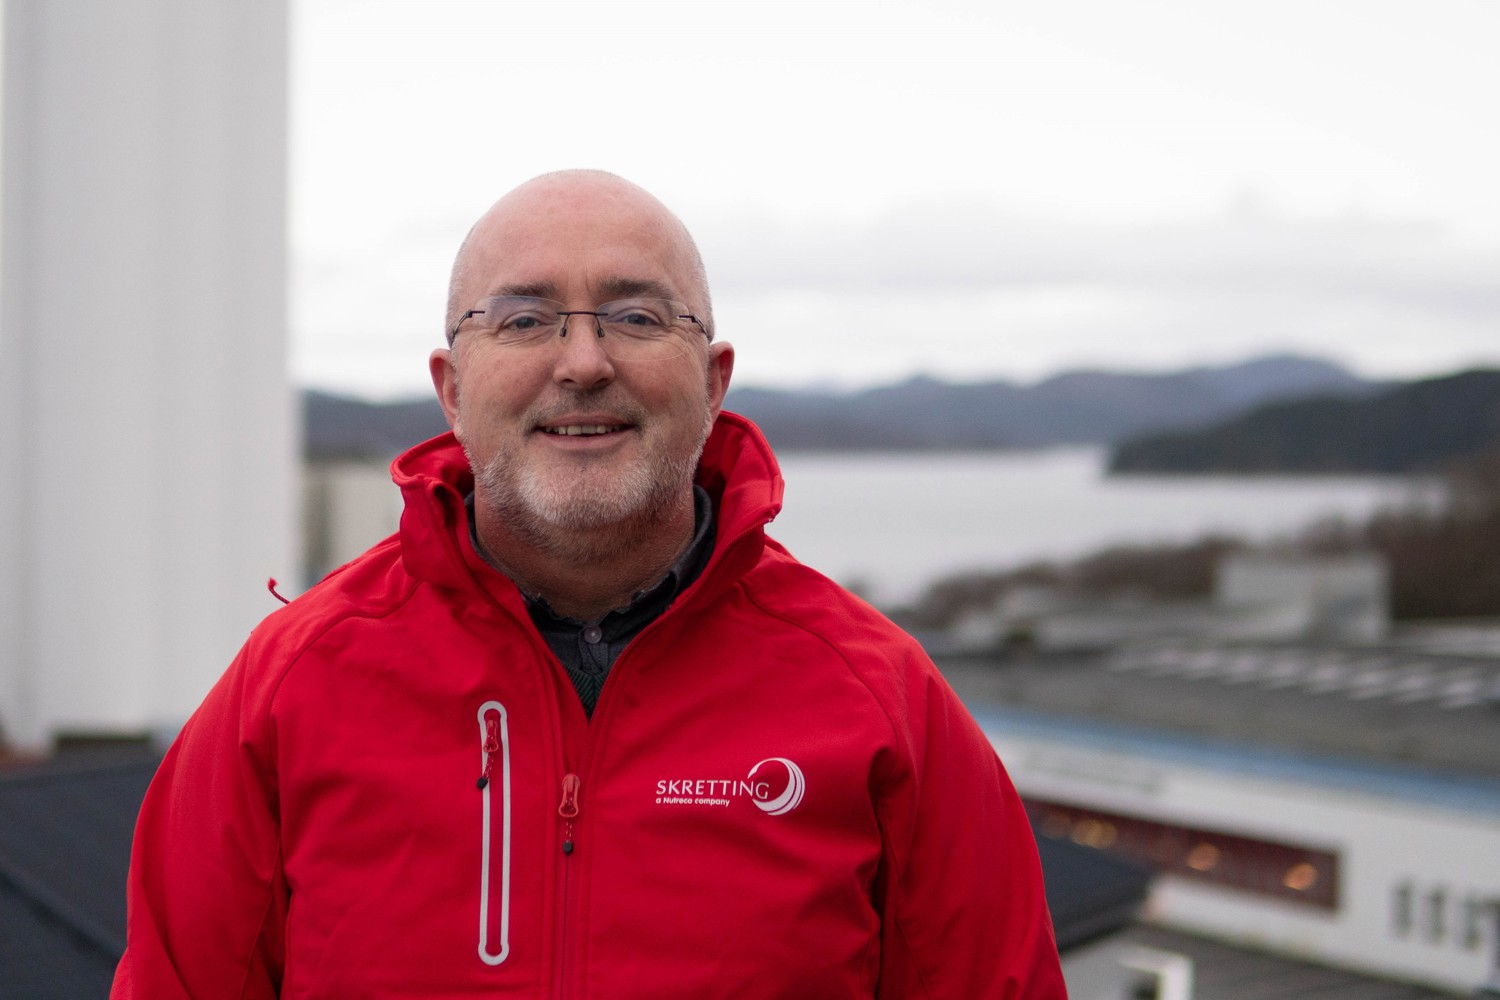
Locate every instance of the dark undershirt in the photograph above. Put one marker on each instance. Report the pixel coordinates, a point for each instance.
(588, 649)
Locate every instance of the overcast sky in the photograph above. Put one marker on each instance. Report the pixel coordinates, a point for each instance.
(967, 188)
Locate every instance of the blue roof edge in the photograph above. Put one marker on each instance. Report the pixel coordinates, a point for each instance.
(1450, 789)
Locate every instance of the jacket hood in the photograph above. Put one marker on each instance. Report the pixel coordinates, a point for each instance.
(737, 469)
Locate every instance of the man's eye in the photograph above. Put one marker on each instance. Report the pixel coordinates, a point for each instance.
(636, 317)
(521, 323)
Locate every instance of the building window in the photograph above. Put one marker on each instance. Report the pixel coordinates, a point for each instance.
(1437, 915)
(1490, 910)
(1476, 914)
(1401, 910)
(1295, 873)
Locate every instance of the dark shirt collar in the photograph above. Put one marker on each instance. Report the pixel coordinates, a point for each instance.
(651, 602)
(587, 650)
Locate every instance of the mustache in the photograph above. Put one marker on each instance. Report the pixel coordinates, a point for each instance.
(596, 402)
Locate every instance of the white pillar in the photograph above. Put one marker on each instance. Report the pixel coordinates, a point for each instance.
(148, 431)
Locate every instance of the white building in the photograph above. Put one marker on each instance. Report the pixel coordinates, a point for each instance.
(1344, 598)
(1394, 876)
(147, 427)
(1258, 597)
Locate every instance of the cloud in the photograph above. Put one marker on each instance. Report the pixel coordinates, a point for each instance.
(969, 291)
(954, 246)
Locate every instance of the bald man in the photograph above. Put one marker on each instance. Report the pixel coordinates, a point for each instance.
(580, 728)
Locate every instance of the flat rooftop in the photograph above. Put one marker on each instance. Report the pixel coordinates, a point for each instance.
(1419, 705)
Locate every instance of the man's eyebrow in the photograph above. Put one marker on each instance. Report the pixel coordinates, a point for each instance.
(533, 289)
(609, 289)
(630, 288)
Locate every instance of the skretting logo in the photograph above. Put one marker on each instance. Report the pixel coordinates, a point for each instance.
(770, 792)
(796, 787)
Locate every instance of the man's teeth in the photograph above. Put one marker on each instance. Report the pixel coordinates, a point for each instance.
(573, 430)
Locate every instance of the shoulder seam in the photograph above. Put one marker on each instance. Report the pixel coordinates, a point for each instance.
(803, 627)
(295, 657)
(897, 865)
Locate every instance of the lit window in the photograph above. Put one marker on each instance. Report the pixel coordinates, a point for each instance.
(1087, 833)
(1301, 877)
(1094, 833)
(1292, 872)
(1203, 858)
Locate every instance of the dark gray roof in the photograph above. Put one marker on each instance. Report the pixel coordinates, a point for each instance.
(1091, 894)
(65, 830)
(1226, 972)
(1408, 705)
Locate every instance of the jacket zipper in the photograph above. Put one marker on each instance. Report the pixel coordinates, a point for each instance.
(568, 810)
(494, 775)
(572, 785)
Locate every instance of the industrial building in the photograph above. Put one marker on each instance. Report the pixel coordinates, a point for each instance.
(1337, 803)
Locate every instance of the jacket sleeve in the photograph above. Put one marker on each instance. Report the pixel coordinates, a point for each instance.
(964, 913)
(206, 899)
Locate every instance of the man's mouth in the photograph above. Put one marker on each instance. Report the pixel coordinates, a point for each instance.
(583, 430)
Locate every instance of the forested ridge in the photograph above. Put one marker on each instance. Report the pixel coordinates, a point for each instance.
(1422, 426)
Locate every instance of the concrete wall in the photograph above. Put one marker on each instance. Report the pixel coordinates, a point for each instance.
(1342, 597)
(147, 426)
(347, 506)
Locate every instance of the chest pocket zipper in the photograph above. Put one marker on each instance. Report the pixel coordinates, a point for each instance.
(494, 741)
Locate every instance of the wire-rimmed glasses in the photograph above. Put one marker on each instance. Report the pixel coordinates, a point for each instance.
(640, 329)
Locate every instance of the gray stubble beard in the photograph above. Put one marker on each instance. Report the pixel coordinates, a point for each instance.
(566, 522)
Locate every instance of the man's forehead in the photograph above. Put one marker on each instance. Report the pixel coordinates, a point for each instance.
(563, 236)
(604, 287)
(586, 201)
(556, 262)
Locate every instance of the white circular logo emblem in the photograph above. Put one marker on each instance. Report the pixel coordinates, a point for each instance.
(788, 800)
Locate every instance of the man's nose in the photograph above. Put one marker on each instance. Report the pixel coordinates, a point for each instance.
(582, 361)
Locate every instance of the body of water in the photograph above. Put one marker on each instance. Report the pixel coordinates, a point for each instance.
(890, 524)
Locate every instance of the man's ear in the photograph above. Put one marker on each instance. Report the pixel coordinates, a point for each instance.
(445, 381)
(720, 368)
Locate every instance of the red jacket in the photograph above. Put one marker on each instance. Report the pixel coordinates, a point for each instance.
(778, 796)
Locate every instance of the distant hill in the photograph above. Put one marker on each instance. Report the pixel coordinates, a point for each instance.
(1411, 427)
(1079, 407)
(341, 427)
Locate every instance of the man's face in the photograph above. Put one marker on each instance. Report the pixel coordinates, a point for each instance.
(560, 435)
